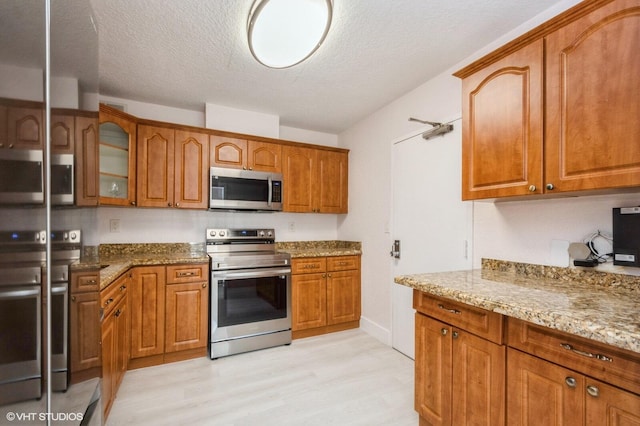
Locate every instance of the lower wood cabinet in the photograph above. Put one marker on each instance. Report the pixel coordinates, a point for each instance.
(325, 294)
(115, 338)
(463, 370)
(169, 318)
(187, 308)
(459, 376)
(84, 326)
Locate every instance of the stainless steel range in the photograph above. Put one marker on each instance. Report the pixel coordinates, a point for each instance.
(22, 274)
(250, 291)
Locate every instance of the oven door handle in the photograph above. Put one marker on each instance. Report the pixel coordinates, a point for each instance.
(13, 294)
(251, 273)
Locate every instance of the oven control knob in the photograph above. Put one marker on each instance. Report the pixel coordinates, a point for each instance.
(65, 236)
(269, 234)
(222, 233)
(212, 233)
(262, 233)
(73, 236)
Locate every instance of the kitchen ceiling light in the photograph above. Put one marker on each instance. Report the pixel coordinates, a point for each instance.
(283, 33)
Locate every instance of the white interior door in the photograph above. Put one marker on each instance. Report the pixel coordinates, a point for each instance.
(429, 218)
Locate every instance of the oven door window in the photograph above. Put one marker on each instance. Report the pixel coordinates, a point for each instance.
(19, 332)
(239, 189)
(247, 300)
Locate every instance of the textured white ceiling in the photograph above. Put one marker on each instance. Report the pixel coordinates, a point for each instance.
(189, 52)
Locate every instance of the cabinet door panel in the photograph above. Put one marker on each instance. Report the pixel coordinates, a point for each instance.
(540, 393)
(191, 170)
(478, 380)
(109, 345)
(264, 156)
(333, 174)
(343, 296)
(155, 166)
(610, 406)
(186, 320)
(299, 179)
(309, 297)
(62, 133)
(228, 152)
(592, 101)
(87, 163)
(147, 301)
(502, 127)
(84, 331)
(25, 129)
(433, 367)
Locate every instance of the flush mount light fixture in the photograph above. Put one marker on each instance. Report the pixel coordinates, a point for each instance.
(283, 33)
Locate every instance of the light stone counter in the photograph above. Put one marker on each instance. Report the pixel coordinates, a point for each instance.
(298, 249)
(598, 306)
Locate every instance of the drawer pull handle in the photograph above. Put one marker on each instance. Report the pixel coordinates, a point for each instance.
(593, 391)
(587, 354)
(453, 311)
(118, 312)
(123, 287)
(186, 274)
(108, 302)
(91, 281)
(570, 381)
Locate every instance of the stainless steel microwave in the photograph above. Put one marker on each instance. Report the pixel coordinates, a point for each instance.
(22, 177)
(234, 189)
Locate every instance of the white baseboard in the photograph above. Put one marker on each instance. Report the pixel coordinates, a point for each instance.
(375, 330)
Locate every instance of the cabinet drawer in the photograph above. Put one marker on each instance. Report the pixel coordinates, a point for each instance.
(478, 321)
(110, 296)
(84, 282)
(343, 263)
(309, 265)
(187, 273)
(612, 365)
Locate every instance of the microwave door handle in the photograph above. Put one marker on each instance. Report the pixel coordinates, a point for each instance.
(270, 196)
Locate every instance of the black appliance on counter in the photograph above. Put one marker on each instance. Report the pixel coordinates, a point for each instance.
(23, 273)
(626, 236)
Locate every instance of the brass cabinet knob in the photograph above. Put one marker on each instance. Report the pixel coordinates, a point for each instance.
(593, 391)
(550, 187)
(532, 188)
(570, 381)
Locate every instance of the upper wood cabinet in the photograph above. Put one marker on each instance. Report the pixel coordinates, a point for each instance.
(574, 132)
(245, 154)
(592, 136)
(87, 161)
(172, 168)
(63, 133)
(502, 129)
(117, 157)
(315, 180)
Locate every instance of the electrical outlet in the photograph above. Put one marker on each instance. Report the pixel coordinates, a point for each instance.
(114, 225)
(292, 227)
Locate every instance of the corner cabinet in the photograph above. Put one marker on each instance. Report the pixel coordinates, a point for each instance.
(316, 180)
(117, 157)
(556, 110)
(459, 363)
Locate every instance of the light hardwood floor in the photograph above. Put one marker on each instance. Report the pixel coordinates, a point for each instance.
(345, 378)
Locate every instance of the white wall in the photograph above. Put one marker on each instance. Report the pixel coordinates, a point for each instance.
(520, 231)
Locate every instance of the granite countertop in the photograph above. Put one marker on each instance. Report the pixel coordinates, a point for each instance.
(115, 259)
(299, 249)
(599, 306)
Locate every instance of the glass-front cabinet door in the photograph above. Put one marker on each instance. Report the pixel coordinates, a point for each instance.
(117, 157)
